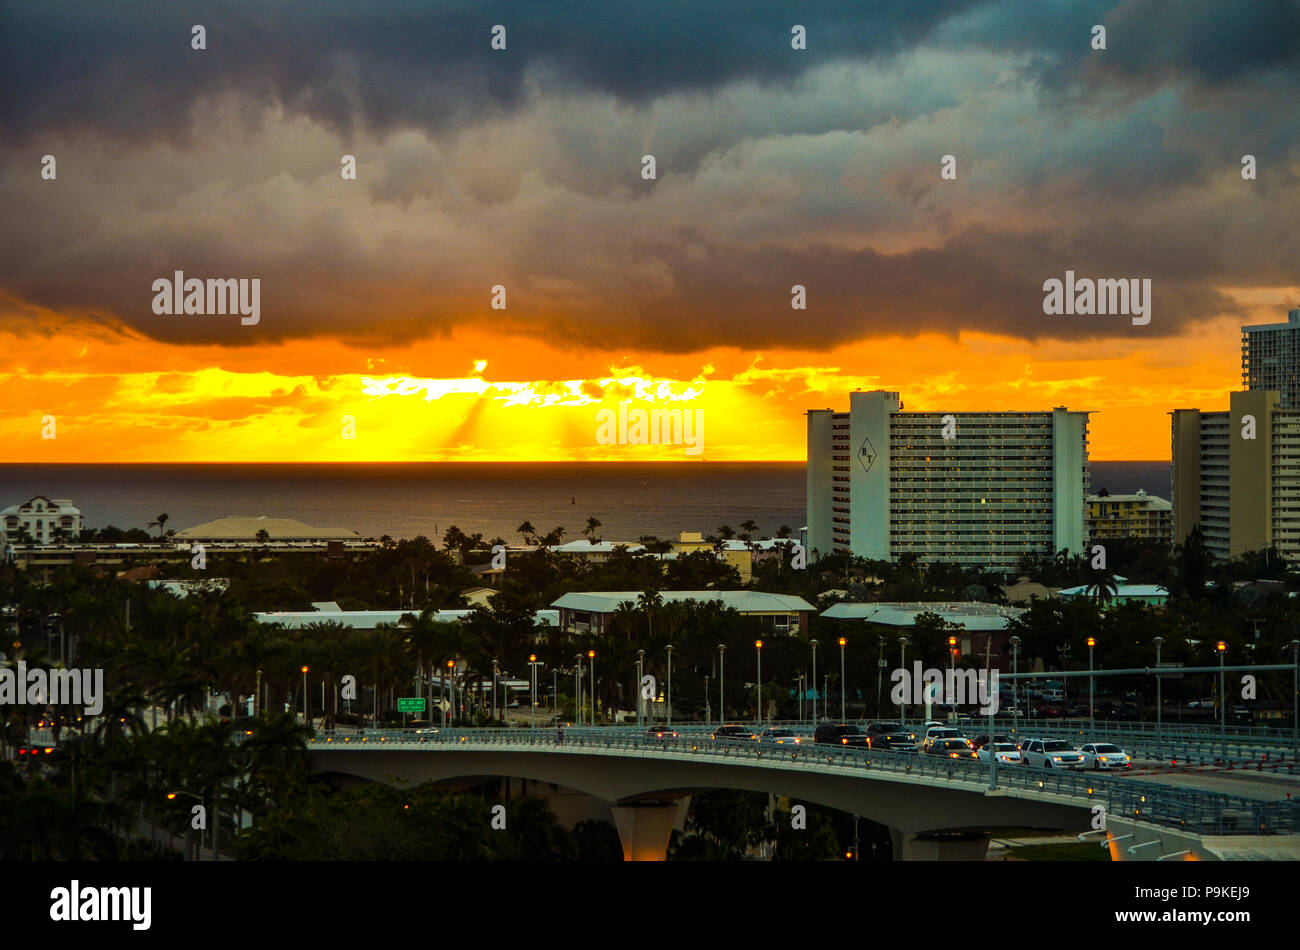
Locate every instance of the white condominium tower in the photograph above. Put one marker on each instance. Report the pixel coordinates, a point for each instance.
(975, 488)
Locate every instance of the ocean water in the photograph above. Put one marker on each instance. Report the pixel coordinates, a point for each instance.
(407, 499)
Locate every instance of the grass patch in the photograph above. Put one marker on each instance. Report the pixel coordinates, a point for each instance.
(1082, 851)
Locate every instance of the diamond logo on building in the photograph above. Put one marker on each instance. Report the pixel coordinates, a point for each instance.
(867, 455)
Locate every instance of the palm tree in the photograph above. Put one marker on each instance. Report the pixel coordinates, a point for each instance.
(161, 522)
(648, 603)
(748, 526)
(590, 531)
(118, 719)
(1104, 586)
(275, 758)
(528, 531)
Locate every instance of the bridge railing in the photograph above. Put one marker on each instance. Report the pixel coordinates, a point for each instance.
(1197, 810)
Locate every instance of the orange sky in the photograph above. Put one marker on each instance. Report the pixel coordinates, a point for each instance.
(425, 402)
(919, 170)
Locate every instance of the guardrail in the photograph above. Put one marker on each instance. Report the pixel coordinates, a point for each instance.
(1196, 810)
(1186, 744)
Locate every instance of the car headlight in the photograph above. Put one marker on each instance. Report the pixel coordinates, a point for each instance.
(1104, 759)
(1056, 758)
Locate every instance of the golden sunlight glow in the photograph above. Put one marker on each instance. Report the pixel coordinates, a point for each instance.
(320, 400)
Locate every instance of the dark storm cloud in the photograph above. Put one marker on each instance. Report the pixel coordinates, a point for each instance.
(128, 70)
(1203, 42)
(776, 168)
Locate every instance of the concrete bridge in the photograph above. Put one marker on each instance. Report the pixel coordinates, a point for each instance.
(935, 808)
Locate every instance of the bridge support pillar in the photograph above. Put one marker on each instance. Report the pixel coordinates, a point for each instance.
(911, 846)
(644, 828)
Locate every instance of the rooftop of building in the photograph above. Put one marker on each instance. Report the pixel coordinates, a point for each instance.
(1292, 322)
(64, 505)
(745, 601)
(970, 614)
(1119, 591)
(1153, 501)
(370, 619)
(246, 528)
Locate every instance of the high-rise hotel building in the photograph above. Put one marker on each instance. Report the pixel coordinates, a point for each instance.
(1270, 359)
(883, 483)
(1236, 474)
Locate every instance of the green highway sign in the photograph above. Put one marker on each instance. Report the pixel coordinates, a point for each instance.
(411, 704)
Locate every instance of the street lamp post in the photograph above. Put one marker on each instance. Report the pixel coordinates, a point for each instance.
(1295, 699)
(495, 674)
(577, 688)
(722, 683)
(532, 712)
(591, 655)
(171, 796)
(670, 686)
(842, 713)
(1092, 642)
(1015, 683)
(758, 652)
(451, 685)
(952, 665)
(306, 715)
(798, 682)
(813, 644)
(1159, 642)
(555, 690)
(902, 665)
(1223, 705)
(257, 699)
(708, 708)
(880, 672)
(640, 699)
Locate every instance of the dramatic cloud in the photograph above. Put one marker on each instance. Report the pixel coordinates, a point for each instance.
(775, 167)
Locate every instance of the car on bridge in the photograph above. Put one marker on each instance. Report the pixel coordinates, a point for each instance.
(1051, 754)
(733, 734)
(980, 742)
(1008, 753)
(952, 749)
(1104, 755)
(935, 733)
(776, 735)
(892, 736)
(660, 732)
(840, 733)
